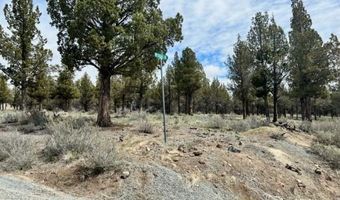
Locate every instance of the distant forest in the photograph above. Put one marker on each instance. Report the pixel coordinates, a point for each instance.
(271, 73)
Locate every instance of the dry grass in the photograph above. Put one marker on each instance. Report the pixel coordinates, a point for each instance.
(69, 141)
(144, 126)
(216, 122)
(329, 153)
(247, 124)
(16, 152)
(327, 142)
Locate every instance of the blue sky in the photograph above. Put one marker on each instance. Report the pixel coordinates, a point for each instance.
(211, 26)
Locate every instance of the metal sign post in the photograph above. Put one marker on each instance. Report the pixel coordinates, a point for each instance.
(162, 57)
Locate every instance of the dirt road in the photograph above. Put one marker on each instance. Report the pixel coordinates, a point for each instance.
(16, 188)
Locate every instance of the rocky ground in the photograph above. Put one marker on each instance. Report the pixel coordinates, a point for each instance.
(269, 162)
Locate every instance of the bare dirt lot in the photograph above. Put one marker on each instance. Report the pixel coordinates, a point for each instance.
(198, 162)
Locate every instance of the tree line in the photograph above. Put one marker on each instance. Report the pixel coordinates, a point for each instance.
(299, 73)
(271, 72)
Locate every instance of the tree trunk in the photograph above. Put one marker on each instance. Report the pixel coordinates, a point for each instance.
(104, 119)
(247, 108)
(266, 107)
(190, 106)
(308, 109)
(123, 103)
(303, 108)
(179, 102)
(275, 101)
(244, 109)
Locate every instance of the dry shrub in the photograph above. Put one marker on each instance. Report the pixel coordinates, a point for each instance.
(16, 152)
(101, 155)
(73, 142)
(216, 122)
(306, 126)
(144, 126)
(252, 122)
(330, 153)
(331, 126)
(15, 117)
(66, 139)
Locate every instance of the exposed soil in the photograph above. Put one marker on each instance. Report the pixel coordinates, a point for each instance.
(198, 163)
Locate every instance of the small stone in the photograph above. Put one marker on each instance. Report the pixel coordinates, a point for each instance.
(219, 146)
(234, 149)
(318, 171)
(125, 175)
(197, 153)
(240, 143)
(175, 159)
(201, 162)
(329, 178)
(300, 184)
(182, 148)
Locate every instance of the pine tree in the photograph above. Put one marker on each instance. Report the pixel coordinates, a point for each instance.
(5, 93)
(65, 90)
(190, 75)
(19, 47)
(240, 73)
(278, 67)
(39, 88)
(114, 36)
(259, 43)
(333, 52)
(86, 89)
(310, 71)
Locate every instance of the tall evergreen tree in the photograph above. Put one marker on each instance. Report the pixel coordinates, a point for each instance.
(112, 36)
(18, 50)
(5, 93)
(190, 76)
(333, 51)
(39, 89)
(259, 42)
(240, 72)
(278, 67)
(86, 89)
(65, 90)
(308, 59)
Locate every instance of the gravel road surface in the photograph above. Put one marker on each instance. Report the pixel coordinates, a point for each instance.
(16, 188)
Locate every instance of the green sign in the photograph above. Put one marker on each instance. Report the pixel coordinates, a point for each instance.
(161, 56)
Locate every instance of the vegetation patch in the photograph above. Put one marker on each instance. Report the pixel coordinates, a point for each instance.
(16, 152)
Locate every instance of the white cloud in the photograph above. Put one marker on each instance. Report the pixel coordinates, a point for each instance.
(211, 26)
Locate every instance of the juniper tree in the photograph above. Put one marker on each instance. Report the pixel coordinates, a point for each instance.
(113, 36)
